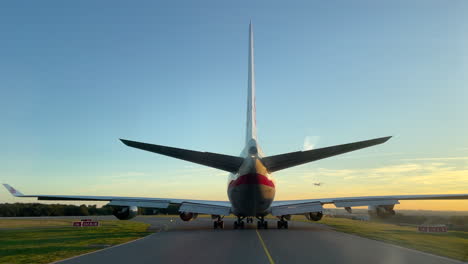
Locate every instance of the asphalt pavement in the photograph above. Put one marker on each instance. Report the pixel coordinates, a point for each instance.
(176, 241)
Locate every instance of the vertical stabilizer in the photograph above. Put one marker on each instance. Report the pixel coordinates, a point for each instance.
(251, 132)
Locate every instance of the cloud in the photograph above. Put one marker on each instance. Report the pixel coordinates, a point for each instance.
(396, 179)
(435, 177)
(310, 142)
(439, 158)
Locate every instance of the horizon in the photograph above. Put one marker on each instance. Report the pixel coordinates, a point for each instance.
(79, 77)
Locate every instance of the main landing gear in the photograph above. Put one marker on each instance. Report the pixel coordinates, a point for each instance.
(219, 223)
(282, 223)
(261, 223)
(239, 224)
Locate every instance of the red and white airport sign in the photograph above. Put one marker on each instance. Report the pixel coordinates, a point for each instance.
(90, 223)
(85, 223)
(433, 228)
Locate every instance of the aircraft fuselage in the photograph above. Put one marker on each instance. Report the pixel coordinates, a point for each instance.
(252, 189)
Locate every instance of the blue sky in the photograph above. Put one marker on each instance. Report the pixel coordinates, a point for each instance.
(76, 76)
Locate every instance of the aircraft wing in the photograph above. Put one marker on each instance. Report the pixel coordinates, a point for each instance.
(186, 205)
(287, 160)
(315, 205)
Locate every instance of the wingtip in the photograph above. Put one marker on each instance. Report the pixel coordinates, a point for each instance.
(12, 190)
(381, 139)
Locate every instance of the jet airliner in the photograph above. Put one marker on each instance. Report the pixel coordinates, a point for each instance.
(251, 188)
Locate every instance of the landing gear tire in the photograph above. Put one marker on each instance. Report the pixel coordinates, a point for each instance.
(239, 225)
(262, 223)
(218, 224)
(282, 224)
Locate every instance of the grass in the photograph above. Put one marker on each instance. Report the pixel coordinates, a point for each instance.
(453, 244)
(45, 241)
(31, 223)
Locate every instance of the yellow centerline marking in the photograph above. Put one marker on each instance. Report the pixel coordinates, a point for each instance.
(265, 248)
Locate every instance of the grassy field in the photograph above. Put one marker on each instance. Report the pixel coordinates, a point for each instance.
(44, 241)
(453, 244)
(31, 223)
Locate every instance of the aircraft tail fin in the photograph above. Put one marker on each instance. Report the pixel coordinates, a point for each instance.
(251, 132)
(287, 160)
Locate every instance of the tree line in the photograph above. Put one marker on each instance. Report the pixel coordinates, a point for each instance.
(37, 209)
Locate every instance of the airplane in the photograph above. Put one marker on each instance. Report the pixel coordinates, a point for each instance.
(318, 183)
(251, 187)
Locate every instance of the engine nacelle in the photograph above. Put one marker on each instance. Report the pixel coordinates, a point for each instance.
(187, 216)
(381, 211)
(125, 212)
(315, 216)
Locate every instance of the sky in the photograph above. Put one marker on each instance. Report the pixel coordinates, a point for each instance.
(77, 76)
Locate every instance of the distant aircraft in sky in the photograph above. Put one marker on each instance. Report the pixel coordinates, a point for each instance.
(251, 188)
(318, 183)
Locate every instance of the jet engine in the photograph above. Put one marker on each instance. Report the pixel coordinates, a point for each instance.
(125, 212)
(187, 216)
(315, 216)
(381, 210)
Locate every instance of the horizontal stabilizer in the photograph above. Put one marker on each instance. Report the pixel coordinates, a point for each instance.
(283, 161)
(214, 160)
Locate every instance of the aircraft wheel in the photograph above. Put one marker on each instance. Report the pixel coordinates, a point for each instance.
(215, 224)
(285, 224)
(265, 224)
(236, 225)
(241, 224)
(259, 225)
(221, 224)
(280, 224)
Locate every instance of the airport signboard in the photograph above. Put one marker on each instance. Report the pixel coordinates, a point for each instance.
(432, 228)
(90, 223)
(85, 223)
